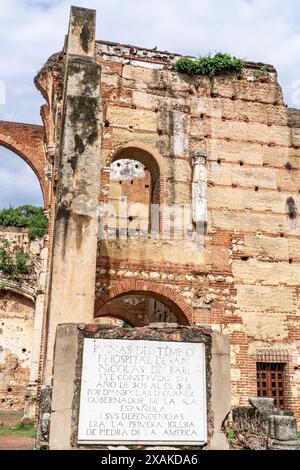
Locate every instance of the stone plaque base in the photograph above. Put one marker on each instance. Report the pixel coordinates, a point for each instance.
(143, 392)
(141, 387)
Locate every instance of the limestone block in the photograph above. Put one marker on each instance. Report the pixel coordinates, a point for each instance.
(179, 170)
(265, 326)
(269, 247)
(294, 248)
(236, 110)
(295, 137)
(266, 273)
(288, 181)
(249, 222)
(143, 99)
(160, 252)
(125, 117)
(121, 136)
(268, 92)
(221, 396)
(263, 405)
(233, 151)
(241, 131)
(235, 374)
(178, 193)
(183, 83)
(241, 176)
(144, 75)
(110, 79)
(279, 156)
(241, 199)
(265, 298)
(283, 428)
(81, 37)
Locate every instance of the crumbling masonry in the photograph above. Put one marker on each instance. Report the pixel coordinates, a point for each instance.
(229, 146)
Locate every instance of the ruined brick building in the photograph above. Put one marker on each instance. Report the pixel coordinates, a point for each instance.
(120, 122)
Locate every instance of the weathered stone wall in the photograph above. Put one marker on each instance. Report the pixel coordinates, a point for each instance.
(20, 306)
(16, 338)
(244, 281)
(18, 239)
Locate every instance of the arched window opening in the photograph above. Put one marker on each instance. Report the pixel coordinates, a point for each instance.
(19, 184)
(132, 194)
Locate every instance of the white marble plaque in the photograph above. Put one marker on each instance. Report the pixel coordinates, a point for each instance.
(142, 392)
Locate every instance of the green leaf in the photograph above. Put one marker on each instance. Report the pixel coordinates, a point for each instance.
(210, 66)
(25, 216)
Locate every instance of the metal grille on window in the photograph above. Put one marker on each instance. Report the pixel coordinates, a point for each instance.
(271, 382)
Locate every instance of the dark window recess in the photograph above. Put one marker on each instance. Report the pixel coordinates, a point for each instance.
(271, 382)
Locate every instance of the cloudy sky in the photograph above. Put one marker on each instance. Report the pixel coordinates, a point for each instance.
(31, 30)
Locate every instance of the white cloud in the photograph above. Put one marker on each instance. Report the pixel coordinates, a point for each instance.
(31, 30)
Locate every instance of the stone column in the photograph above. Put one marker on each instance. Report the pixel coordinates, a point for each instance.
(31, 390)
(199, 192)
(72, 284)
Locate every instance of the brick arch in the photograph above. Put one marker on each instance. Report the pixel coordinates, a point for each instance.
(181, 309)
(27, 141)
(149, 157)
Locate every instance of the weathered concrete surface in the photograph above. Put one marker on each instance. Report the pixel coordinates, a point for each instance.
(283, 428)
(220, 390)
(264, 406)
(65, 358)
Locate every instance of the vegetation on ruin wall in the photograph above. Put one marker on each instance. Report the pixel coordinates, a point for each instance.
(25, 216)
(210, 65)
(230, 437)
(13, 264)
(19, 430)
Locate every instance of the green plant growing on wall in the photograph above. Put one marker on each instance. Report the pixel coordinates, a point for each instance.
(25, 216)
(263, 71)
(19, 430)
(126, 326)
(230, 437)
(210, 66)
(13, 264)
